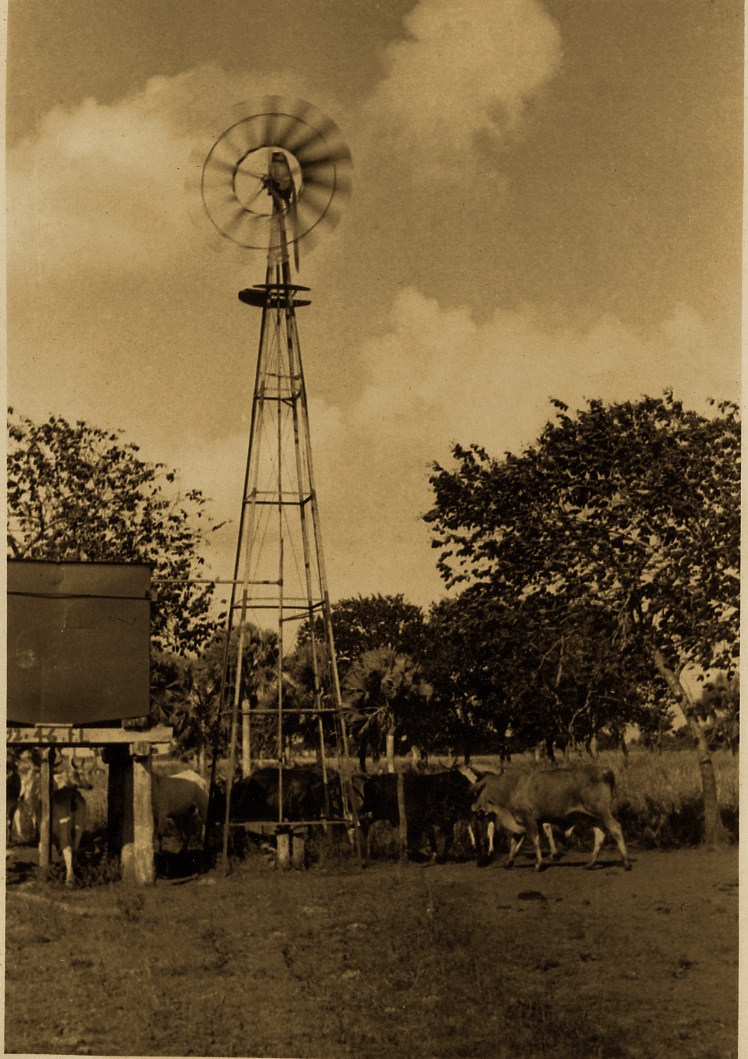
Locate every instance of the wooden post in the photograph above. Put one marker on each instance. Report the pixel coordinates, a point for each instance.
(246, 757)
(46, 774)
(142, 799)
(298, 850)
(117, 758)
(283, 849)
(403, 818)
(127, 848)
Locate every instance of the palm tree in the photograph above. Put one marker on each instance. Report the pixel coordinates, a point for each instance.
(386, 692)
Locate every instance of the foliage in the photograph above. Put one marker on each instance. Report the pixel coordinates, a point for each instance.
(363, 623)
(197, 717)
(623, 519)
(389, 697)
(76, 492)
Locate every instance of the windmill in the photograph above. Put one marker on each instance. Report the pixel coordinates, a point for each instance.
(275, 180)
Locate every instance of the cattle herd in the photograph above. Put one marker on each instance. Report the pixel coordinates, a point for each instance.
(423, 808)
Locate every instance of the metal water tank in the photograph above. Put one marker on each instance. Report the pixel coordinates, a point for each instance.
(78, 642)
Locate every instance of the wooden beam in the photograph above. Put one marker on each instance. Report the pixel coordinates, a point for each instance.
(72, 735)
(117, 758)
(46, 773)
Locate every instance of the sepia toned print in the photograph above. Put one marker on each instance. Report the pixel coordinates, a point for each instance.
(373, 500)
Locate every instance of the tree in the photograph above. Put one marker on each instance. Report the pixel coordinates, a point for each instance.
(205, 718)
(630, 510)
(388, 694)
(363, 623)
(76, 492)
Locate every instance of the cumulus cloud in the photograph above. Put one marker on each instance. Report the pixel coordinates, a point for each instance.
(105, 186)
(435, 375)
(461, 79)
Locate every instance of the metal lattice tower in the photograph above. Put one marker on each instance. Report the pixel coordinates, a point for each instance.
(269, 181)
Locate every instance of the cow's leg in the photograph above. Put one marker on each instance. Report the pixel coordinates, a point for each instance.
(599, 839)
(516, 832)
(613, 828)
(63, 838)
(491, 835)
(548, 832)
(534, 833)
(515, 843)
(476, 834)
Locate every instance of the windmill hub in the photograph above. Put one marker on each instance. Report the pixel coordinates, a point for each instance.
(262, 172)
(276, 177)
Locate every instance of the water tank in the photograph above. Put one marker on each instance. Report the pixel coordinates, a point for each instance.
(78, 642)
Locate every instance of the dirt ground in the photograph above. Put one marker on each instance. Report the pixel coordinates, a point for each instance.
(335, 962)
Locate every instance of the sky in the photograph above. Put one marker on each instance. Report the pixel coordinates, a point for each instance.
(546, 202)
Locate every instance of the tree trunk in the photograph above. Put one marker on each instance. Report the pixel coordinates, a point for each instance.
(403, 818)
(714, 830)
(390, 744)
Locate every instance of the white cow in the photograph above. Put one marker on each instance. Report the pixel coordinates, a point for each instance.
(523, 799)
(183, 798)
(69, 811)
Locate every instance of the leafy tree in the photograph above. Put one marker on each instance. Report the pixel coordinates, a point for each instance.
(206, 718)
(363, 623)
(76, 492)
(303, 691)
(629, 511)
(467, 639)
(388, 695)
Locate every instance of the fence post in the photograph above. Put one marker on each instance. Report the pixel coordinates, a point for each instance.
(403, 817)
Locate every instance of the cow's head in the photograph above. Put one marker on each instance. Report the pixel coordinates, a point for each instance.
(76, 772)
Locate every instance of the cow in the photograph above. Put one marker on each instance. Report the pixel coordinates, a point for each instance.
(12, 795)
(69, 814)
(181, 797)
(434, 802)
(256, 797)
(523, 799)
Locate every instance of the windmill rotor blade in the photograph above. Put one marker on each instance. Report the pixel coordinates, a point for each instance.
(270, 107)
(324, 149)
(315, 196)
(310, 218)
(233, 179)
(282, 128)
(300, 138)
(240, 138)
(319, 178)
(298, 122)
(219, 165)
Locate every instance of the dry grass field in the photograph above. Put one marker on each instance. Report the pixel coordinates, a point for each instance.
(440, 960)
(433, 961)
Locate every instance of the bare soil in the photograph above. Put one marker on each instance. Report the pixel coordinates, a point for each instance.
(336, 962)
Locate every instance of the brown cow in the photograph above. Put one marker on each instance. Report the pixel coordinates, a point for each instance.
(522, 799)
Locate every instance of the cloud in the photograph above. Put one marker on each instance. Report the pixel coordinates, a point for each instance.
(104, 186)
(461, 80)
(435, 375)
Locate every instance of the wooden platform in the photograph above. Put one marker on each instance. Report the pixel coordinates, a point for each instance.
(128, 753)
